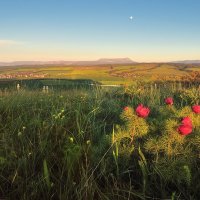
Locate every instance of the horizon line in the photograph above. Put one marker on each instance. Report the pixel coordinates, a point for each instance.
(93, 60)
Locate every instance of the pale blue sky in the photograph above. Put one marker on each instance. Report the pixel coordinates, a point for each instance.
(161, 30)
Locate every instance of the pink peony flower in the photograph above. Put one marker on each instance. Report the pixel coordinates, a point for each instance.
(142, 111)
(169, 101)
(185, 129)
(196, 109)
(186, 121)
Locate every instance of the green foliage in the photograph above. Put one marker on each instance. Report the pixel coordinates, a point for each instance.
(72, 154)
(136, 88)
(81, 144)
(122, 149)
(46, 174)
(175, 170)
(134, 125)
(173, 153)
(144, 168)
(190, 96)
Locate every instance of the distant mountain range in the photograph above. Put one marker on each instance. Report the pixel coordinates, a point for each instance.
(101, 61)
(187, 62)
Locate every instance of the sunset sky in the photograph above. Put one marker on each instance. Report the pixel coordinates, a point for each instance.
(161, 30)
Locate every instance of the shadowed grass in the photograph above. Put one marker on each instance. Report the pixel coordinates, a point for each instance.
(59, 145)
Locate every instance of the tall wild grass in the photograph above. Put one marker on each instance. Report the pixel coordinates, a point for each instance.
(81, 144)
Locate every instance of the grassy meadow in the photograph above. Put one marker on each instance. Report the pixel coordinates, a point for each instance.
(88, 142)
(99, 99)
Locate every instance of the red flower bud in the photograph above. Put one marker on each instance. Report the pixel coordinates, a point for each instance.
(126, 108)
(142, 111)
(169, 101)
(196, 109)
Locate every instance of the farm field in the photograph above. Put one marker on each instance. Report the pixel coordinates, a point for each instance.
(106, 74)
(82, 142)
